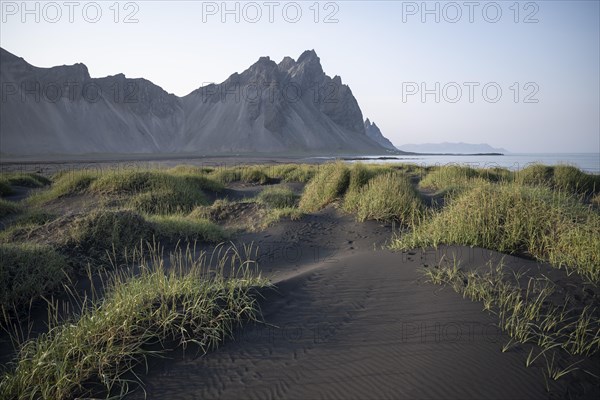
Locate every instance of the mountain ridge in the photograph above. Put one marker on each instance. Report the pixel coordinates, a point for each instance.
(286, 107)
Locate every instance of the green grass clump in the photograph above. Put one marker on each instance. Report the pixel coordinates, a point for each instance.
(292, 172)
(451, 179)
(139, 317)
(9, 207)
(159, 191)
(176, 200)
(100, 231)
(359, 176)
(386, 197)
(497, 174)
(330, 182)
(254, 174)
(179, 227)
(247, 174)
(5, 188)
(226, 175)
(189, 170)
(573, 180)
(456, 179)
(67, 183)
(139, 181)
(535, 174)
(277, 197)
(27, 179)
(28, 272)
(548, 225)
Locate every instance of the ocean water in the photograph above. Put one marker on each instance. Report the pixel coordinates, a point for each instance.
(589, 162)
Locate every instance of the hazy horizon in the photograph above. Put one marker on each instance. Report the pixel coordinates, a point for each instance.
(382, 50)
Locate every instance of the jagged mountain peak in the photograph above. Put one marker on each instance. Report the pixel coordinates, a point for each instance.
(373, 131)
(269, 107)
(309, 56)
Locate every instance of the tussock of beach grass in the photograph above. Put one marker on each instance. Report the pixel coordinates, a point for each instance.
(151, 191)
(9, 207)
(100, 232)
(561, 177)
(512, 218)
(292, 172)
(277, 197)
(5, 188)
(247, 174)
(452, 180)
(181, 227)
(386, 197)
(140, 316)
(262, 174)
(26, 179)
(328, 184)
(28, 271)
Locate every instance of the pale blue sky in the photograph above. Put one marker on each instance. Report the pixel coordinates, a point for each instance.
(378, 48)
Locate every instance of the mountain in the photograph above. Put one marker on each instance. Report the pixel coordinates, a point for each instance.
(374, 133)
(289, 107)
(451, 148)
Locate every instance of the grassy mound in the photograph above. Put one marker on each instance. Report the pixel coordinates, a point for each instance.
(247, 174)
(28, 272)
(179, 227)
(386, 197)
(27, 179)
(455, 179)
(5, 188)
(535, 174)
(511, 218)
(292, 172)
(359, 176)
(176, 200)
(99, 232)
(329, 183)
(561, 177)
(153, 191)
(9, 207)
(90, 355)
(275, 197)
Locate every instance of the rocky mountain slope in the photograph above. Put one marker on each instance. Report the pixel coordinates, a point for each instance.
(290, 107)
(373, 131)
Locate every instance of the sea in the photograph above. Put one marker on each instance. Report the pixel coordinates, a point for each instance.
(588, 162)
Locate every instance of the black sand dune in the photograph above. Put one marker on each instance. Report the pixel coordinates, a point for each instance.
(357, 322)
